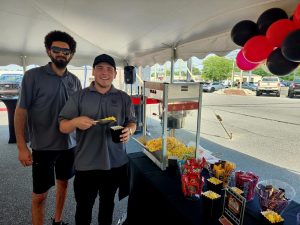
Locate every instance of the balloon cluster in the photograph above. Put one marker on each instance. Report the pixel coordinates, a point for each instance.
(274, 39)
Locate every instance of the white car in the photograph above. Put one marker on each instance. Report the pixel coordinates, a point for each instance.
(269, 85)
(214, 86)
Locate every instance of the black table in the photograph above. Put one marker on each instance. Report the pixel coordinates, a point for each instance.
(156, 198)
(11, 106)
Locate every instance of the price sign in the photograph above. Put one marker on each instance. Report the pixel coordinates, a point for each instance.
(233, 208)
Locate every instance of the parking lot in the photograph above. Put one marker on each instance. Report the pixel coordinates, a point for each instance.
(265, 127)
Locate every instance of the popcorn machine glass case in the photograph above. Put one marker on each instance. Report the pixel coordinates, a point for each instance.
(172, 116)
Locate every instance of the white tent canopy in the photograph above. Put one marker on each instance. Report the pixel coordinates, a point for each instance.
(138, 32)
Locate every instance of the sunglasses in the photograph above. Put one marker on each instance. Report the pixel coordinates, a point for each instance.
(56, 50)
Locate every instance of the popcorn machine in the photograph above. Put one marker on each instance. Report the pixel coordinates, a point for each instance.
(171, 112)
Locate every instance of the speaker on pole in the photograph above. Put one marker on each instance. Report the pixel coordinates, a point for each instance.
(129, 74)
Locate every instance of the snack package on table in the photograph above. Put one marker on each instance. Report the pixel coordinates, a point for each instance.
(192, 185)
(192, 182)
(223, 171)
(275, 198)
(246, 181)
(191, 165)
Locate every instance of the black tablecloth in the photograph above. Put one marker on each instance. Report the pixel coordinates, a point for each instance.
(156, 198)
(11, 107)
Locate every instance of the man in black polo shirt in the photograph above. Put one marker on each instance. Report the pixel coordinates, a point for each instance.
(100, 163)
(44, 92)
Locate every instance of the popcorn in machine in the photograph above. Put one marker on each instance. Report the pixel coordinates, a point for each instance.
(171, 121)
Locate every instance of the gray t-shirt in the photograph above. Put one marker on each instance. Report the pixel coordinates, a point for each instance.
(43, 94)
(95, 149)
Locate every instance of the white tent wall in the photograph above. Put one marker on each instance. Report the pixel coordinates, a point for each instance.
(137, 32)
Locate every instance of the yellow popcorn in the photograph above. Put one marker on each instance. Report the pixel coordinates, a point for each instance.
(112, 118)
(174, 147)
(237, 190)
(214, 181)
(211, 195)
(223, 170)
(272, 216)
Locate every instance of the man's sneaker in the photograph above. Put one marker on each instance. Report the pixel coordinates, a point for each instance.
(59, 223)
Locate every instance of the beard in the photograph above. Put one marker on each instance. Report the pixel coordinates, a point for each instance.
(60, 63)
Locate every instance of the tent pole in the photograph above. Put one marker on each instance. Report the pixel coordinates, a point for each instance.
(165, 72)
(85, 75)
(173, 59)
(232, 74)
(23, 58)
(189, 72)
(240, 86)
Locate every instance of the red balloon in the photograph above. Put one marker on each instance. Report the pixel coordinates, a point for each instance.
(257, 49)
(277, 32)
(243, 63)
(297, 25)
(296, 15)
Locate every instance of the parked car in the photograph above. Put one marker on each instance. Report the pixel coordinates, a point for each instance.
(254, 83)
(10, 85)
(294, 88)
(226, 84)
(269, 85)
(283, 84)
(249, 86)
(214, 86)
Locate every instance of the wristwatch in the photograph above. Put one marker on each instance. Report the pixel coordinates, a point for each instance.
(130, 131)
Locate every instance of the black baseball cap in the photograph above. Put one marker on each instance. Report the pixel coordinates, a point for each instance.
(104, 58)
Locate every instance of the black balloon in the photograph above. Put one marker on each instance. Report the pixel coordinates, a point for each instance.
(279, 65)
(268, 17)
(290, 47)
(243, 31)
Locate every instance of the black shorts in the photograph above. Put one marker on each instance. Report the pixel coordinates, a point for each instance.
(50, 165)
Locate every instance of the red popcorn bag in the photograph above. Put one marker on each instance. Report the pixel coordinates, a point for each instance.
(192, 185)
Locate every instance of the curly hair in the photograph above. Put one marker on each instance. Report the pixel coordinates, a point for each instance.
(57, 35)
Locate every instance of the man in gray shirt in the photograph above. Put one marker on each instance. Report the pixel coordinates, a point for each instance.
(100, 163)
(44, 92)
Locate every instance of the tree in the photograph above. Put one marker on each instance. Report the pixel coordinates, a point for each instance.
(196, 71)
(261, 72)
(168, 73)
(290, 77)
(216, 68)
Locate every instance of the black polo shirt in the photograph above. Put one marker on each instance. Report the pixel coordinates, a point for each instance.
(43, 94)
